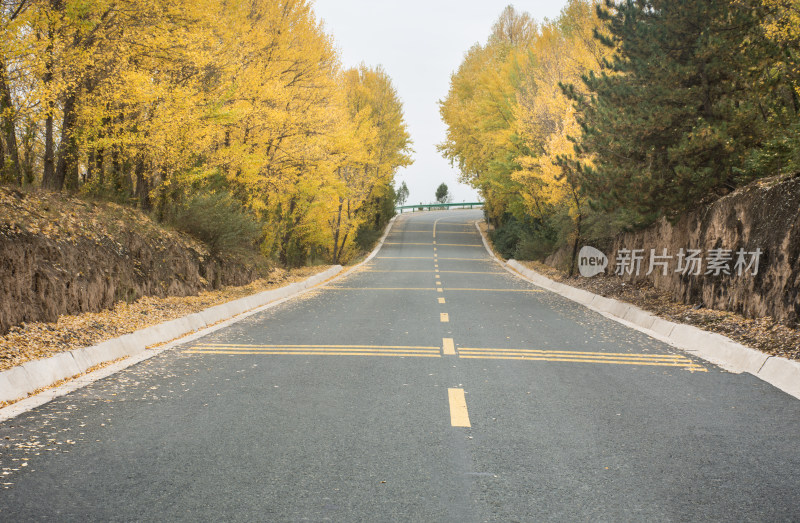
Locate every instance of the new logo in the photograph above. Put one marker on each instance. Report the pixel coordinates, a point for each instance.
(591, 261)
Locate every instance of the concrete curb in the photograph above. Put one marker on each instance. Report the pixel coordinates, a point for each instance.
(18, 382)
(715, 348)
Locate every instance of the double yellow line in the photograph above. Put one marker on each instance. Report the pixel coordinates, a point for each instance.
(318, 350)
(615, 358)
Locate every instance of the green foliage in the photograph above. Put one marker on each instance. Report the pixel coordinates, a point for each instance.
(219, 221)
(673, 116)
(442, 195)
(401, 195)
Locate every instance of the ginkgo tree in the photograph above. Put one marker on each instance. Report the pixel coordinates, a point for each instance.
(168, 102)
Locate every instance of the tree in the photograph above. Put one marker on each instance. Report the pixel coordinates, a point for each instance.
(672, 116)
(402, 194)
(442, 195)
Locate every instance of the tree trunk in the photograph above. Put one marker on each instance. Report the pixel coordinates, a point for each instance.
(67, 164)
(9, 130)
(142, 185)
(49, 175)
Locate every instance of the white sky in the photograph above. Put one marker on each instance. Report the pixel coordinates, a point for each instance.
(420, 44)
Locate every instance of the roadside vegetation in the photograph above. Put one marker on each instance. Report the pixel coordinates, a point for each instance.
(233, 121)
(617, 114)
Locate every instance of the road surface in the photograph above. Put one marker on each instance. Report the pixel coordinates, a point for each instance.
(430, 385)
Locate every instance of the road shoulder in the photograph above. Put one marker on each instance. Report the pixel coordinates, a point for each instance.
(720, 350)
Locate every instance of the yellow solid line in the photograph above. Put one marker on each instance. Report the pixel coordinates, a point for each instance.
(470, 259)
(448, 347)
(574, 356)
(441, 300)
(438, 289)
(319, 353)
(299, 350)
(380, 288)
(406, 243)
(560, 352)
(459, 417)
(567, 360)
(403, 257)
(251, 346)
(444, 317)
(460, 245)
(496, 290)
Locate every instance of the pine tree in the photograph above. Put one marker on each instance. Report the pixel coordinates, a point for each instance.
(671, 115)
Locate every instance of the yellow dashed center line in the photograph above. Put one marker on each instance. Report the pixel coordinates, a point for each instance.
(448, 347)
(441, 300)
(444, 317)
(459, 416)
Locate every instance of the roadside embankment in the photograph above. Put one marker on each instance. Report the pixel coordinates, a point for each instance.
(763, 217)
(62, 255)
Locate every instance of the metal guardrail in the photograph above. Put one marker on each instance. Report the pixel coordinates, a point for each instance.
(432, 206)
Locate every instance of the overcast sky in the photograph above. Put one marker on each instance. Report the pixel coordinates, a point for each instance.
(420, 43)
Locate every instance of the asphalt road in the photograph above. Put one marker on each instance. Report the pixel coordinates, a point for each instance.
(430, 385)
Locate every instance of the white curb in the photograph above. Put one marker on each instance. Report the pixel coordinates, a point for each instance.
(21, 380)
(720, 350)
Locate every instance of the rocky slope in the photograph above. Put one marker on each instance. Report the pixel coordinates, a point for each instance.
(61, 255)
(764, 216)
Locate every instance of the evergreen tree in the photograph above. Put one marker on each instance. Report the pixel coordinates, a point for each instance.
(672, 115)
(442, 195)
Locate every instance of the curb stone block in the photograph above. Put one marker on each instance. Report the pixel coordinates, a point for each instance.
(783, 373)
(579, 295)
(12, 382)
(640, 317)
(82, 358)
(42, 373)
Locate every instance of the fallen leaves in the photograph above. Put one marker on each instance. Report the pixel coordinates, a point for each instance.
(40, 340)
(764, 334)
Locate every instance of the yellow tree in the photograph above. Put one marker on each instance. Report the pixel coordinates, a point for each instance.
(561, 54)
(479, 112)
(374, 147)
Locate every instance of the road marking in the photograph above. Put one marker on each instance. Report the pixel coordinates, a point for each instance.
(291, 345)
(437, 276)
(614, 358)
(496, 290)
(484, 259)
(441, 300)
(448, 347)
(440, 232)
(317, 350)
(379, 288)
(434, 243)
(438, 289)
(436, 270)
(444, 317)
(459, 417)
(403, 257)
(434, 228)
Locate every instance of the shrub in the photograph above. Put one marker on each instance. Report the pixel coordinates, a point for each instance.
(219, 221)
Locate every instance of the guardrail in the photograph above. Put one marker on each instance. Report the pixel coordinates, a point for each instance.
(438, 206)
